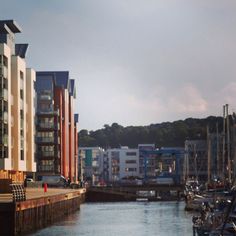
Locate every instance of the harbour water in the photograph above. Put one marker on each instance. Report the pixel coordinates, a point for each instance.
(121, 219)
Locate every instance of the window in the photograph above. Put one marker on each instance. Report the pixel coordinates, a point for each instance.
(5, 61)
(5, 83)
(22, 155)
(3, 152)
(131, 153)
(5, 106)
(130, 161)
(130, 169)
(21, 114)
(21, 75)
(21, 94)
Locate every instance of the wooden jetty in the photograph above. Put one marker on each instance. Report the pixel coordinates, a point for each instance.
(38, 210)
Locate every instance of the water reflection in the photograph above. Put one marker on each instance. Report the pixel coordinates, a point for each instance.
(121, 219)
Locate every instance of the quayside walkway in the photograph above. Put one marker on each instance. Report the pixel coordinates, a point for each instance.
(34, 193)
(39, 210)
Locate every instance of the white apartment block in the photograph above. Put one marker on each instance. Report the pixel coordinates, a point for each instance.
(17, 106)
(122, 163)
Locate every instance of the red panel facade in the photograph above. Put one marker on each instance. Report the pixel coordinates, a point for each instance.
(58, 98)
(76, 151)
(71, 138)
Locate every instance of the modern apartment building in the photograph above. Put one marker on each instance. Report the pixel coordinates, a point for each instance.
(151, 164)
(57, 125)
(17, 106)
(91, 164)
(123, 163)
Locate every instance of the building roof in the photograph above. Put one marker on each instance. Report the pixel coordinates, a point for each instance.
(11, 24)
(61, 78)
(20, 50)
(76, 118)
(72, 90)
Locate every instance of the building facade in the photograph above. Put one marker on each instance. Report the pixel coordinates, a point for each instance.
(91, 164)
(56, 139)
(123, 163)
(17, 111)
(151, 164)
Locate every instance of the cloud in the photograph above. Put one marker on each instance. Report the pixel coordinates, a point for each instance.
(187, 100)
(135, 61)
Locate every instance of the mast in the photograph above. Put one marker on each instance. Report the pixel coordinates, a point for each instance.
(228, 144)
(208, 156)
(223, 148)
(217, 150)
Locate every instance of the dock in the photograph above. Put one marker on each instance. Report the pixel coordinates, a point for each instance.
(132, 192)
(39, 210)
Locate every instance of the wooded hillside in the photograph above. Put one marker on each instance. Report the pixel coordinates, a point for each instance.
(167, 134)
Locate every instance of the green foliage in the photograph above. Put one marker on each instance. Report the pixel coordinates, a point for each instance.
(162, 135)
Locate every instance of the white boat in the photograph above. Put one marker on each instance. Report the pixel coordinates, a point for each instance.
(142, 199)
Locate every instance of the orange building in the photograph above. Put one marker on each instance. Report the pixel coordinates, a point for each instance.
(56, 132)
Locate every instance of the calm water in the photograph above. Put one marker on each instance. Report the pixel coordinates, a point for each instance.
(121, 219)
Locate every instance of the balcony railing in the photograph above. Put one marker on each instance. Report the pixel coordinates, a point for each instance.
(47, 125)
(45, 97)
(4, 116)
(4, 140)
(46, 154)
(48, 112)
(45, 139)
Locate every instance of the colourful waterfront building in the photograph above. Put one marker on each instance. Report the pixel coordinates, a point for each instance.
(17, 111)
(92, 167)
(57, 125)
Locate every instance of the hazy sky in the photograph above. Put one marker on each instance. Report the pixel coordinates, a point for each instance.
(135, 62)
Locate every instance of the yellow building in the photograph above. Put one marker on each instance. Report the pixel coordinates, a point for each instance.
(17, 110)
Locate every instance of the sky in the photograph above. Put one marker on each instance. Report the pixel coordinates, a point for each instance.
(135, 62)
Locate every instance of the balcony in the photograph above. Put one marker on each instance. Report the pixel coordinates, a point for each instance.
(4, 117)
(3, 71)
(4, 140)
(46, 154)
(45, 97)
(48, 112)
(45, 139)
(46, 125)
(3, 94)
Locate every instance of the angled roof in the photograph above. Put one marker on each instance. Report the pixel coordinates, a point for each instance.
(61, 78)
(76, 118)
(20, 50)
(4, 29)
(72, 88)
(12, 25)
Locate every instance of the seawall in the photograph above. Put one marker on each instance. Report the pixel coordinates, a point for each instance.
(39, 210)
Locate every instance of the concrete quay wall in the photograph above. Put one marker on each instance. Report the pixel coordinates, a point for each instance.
(18, 218)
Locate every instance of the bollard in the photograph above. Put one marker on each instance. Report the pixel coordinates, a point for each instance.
(45, 186)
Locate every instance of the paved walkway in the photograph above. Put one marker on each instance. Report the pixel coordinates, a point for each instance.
(32, 193)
